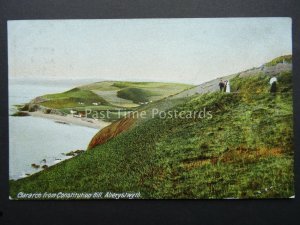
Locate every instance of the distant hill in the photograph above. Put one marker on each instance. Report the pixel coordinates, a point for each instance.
(244, 150)
(133, 94)
(114, 96)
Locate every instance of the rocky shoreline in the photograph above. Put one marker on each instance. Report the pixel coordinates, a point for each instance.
(45, 164)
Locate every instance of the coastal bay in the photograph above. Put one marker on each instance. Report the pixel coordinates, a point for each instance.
(39, 139)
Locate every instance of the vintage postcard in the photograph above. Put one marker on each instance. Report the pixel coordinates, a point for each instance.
(197, 108)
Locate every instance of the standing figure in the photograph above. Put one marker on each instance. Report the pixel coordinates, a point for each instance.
(273, 83)
(225, 85)
(228, 87)
(221, 85)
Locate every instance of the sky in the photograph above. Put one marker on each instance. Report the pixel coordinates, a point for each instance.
(172, 50)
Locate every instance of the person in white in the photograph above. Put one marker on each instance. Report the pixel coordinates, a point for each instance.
(228, 87)
(272, 80)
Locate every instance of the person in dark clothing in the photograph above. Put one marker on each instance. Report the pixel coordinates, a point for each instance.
(273, 87)
(221, 85)
(273, 83)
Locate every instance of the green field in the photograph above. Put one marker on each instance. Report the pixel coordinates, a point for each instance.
(131, 94)
(113, 99)
(112, 96)
(136, 95)
(72, 98)
(244, 151)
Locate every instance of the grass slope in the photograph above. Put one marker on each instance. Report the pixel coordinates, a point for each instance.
(72, 98)
(135, 94)
(244, 151)
(130, 94)
(280, 59)
(113, 98)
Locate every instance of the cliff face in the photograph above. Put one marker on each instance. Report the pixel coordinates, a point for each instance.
(111, 131)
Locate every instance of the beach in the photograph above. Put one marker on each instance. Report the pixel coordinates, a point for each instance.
(70, 119)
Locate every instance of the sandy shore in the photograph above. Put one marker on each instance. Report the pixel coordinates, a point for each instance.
(69, 119)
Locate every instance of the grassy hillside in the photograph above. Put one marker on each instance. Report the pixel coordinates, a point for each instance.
(280, 59)
(136, 95)
(244, 151)
(112, 99)
(130, 94)
(72, 98)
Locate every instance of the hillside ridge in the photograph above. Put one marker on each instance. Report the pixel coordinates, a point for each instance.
(244, 150)
(283, 63)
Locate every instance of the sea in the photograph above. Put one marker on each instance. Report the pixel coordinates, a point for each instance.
(41, 141)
